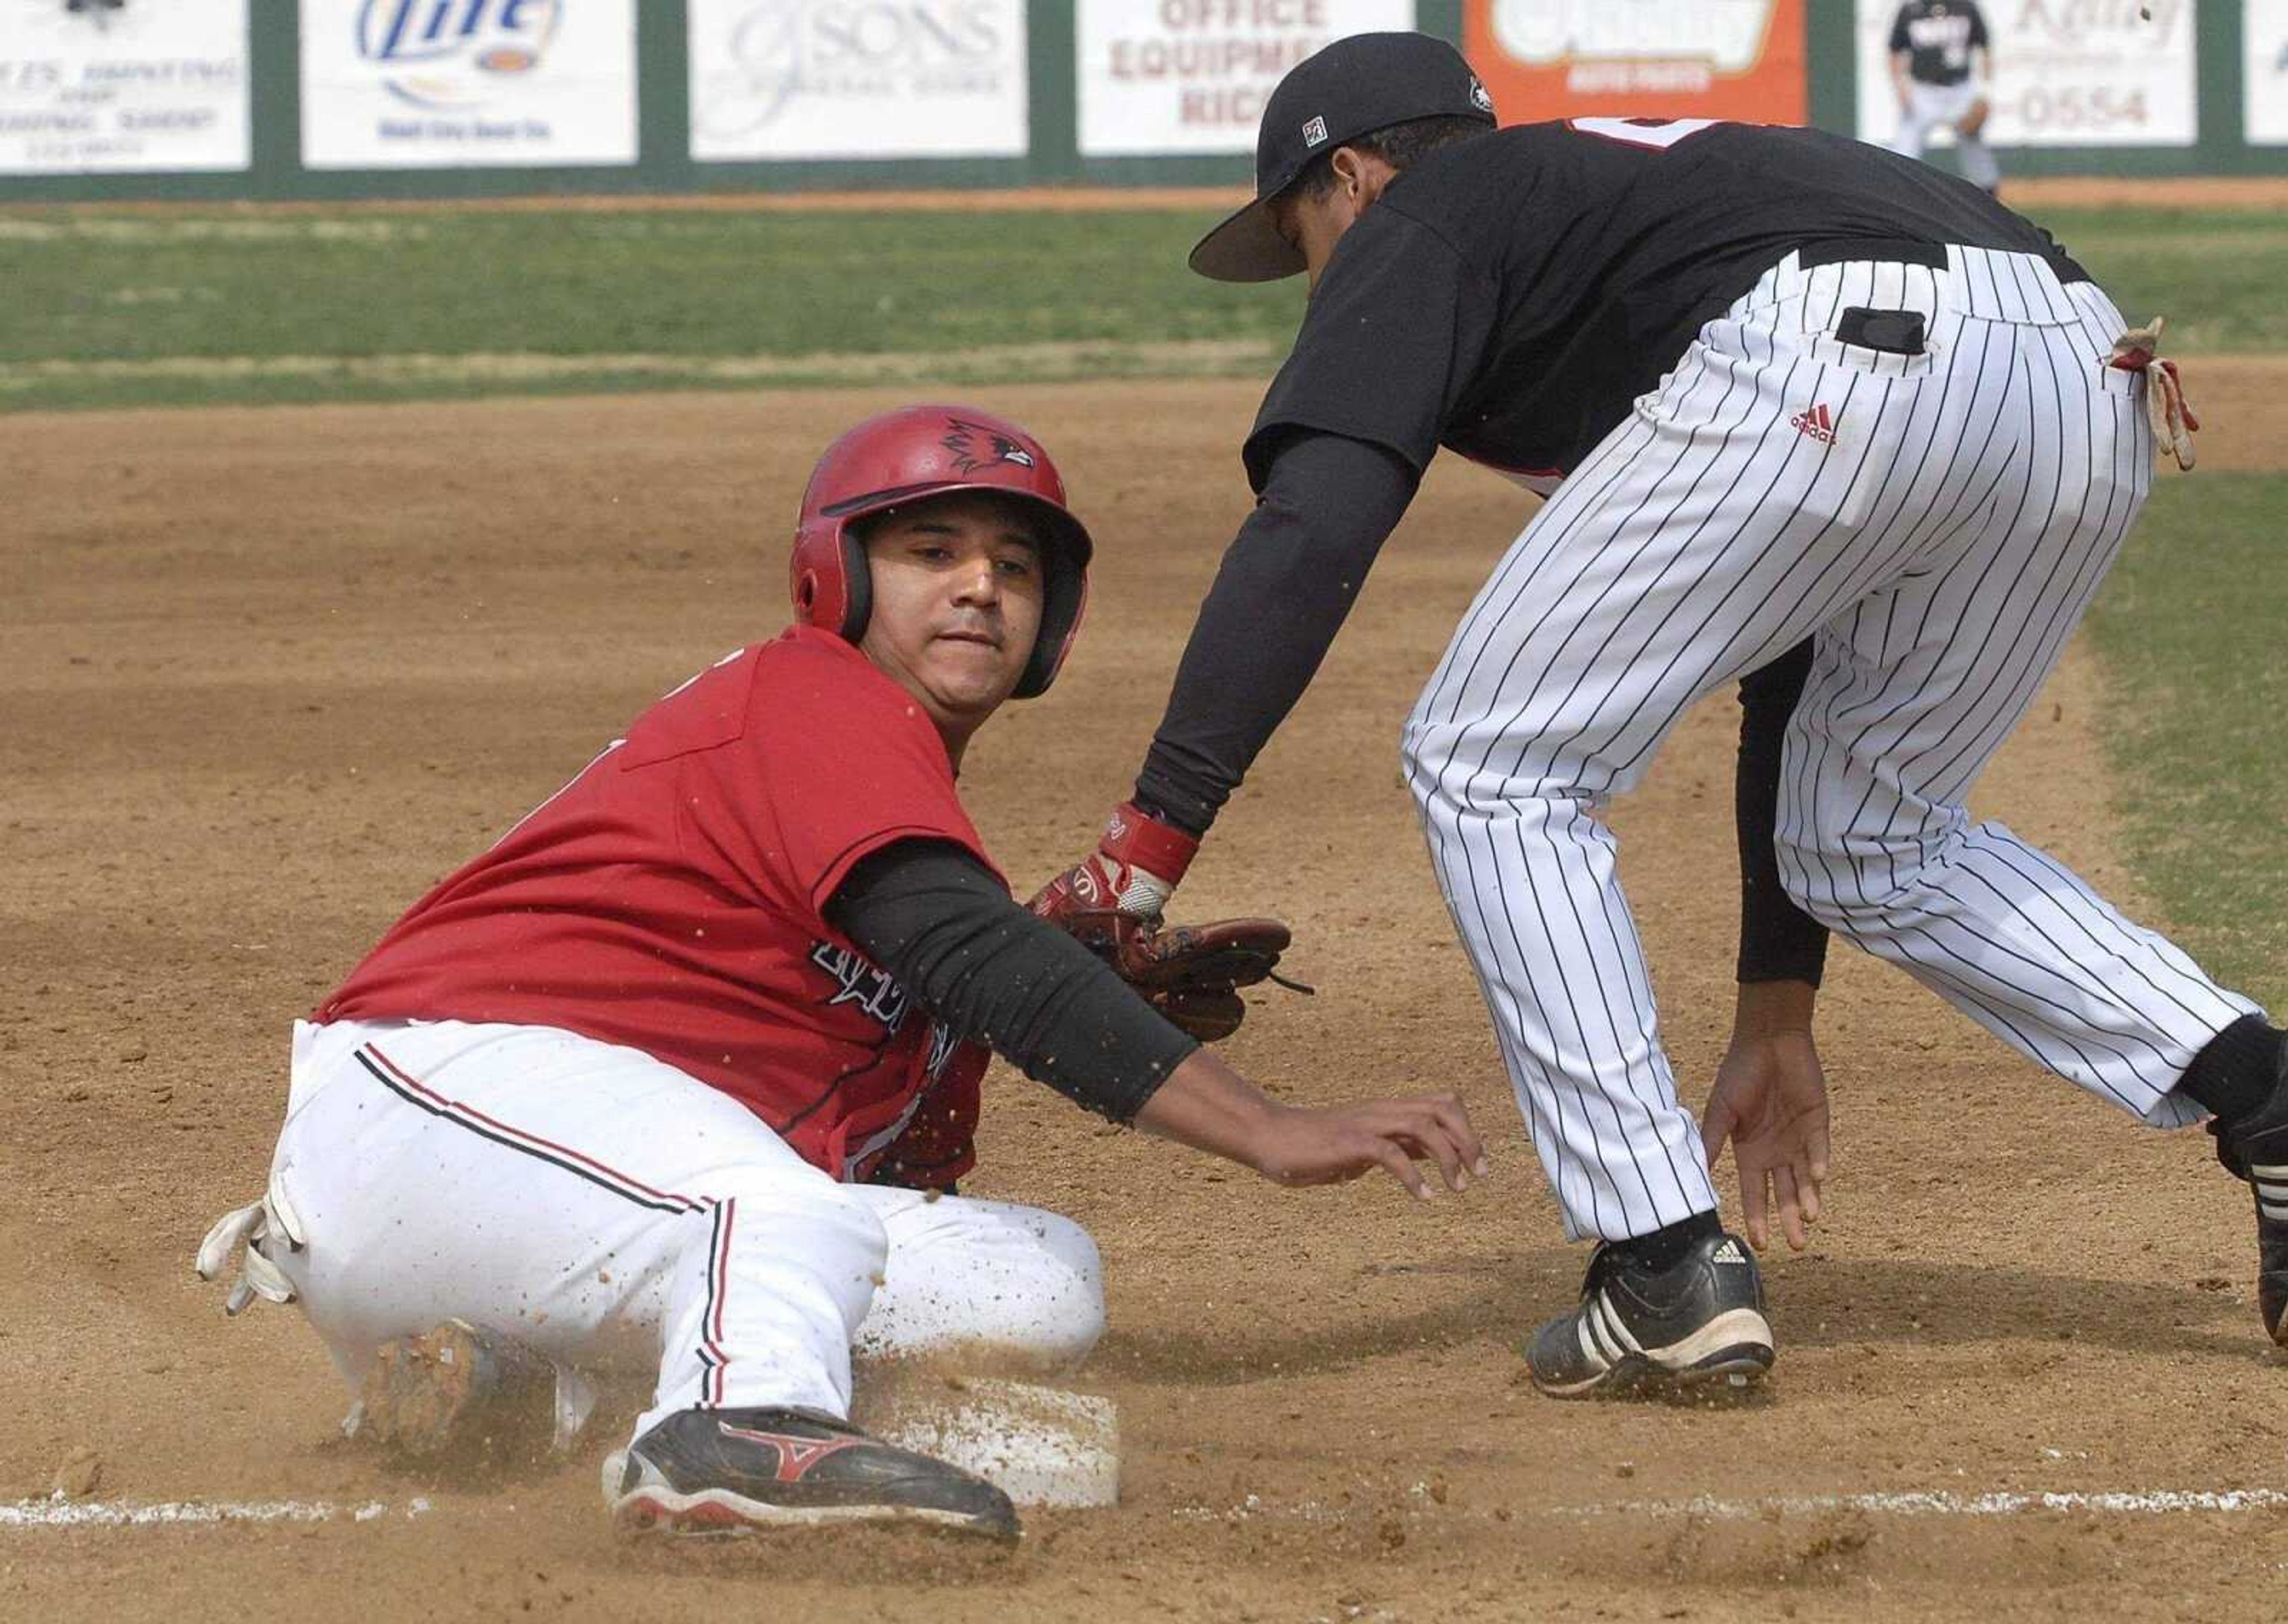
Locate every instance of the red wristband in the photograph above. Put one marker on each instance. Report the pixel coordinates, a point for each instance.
(1134, 837)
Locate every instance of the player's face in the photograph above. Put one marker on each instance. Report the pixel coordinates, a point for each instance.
(957, 589)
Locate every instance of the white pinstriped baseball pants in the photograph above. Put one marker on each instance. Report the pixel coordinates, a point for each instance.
(1937, 525)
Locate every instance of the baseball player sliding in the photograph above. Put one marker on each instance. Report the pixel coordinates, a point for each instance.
(686, 1065)
(1942, 60)
(1806, 412)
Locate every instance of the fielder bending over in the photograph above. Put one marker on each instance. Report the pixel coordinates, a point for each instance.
(1810, 417)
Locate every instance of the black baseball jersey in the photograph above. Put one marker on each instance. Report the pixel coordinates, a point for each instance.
(1938, 37)
(1511, 297)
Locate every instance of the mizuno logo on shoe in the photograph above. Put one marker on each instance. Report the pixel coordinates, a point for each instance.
(1815, 423)
(797, 1455)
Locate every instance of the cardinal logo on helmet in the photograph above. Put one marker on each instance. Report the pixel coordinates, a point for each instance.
(974, 446)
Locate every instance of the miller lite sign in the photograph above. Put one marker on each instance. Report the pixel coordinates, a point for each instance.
(467, 84)
(455, 53)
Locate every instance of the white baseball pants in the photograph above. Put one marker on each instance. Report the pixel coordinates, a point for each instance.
(1934, 106)
(606, 1209)
(1937, 524)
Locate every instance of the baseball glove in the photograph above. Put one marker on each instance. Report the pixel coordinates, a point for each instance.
(1191, 974)
(1975, 121)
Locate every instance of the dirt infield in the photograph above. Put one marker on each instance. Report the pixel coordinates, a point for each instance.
(271, 671)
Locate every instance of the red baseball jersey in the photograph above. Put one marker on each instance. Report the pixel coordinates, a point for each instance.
(668, 899)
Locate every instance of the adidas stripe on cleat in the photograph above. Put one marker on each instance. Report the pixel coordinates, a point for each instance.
(2270, 1179)
(1698, 1324)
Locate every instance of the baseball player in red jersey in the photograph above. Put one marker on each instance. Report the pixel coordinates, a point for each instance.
(683, 1068)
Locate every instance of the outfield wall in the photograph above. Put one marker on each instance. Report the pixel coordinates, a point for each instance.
(360, 98)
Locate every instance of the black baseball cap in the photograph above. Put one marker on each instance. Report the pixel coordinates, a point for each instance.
(1357, 85)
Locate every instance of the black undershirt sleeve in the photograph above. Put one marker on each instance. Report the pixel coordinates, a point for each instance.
(1778, 940)
(1287, 583)
(946, 931)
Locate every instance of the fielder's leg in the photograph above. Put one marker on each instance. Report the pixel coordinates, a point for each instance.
(1913, 689)
(1978, 165)
(1778, 476)
(1917, 119)
(1910, 693)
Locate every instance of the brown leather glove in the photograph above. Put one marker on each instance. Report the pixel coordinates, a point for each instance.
(1191, 974)
(1975, 121)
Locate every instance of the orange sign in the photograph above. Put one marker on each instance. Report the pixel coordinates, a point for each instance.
(1640, 58)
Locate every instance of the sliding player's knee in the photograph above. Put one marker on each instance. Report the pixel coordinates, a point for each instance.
(1000, 1285)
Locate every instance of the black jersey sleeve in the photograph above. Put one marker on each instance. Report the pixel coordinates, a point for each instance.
(1778, 940)
(1978, 40)
(1288, 580)
(1395, 328)
(1899, 40)
(948, 932)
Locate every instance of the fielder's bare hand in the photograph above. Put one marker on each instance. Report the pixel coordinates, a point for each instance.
(1206, 1104)
(1770, 1102)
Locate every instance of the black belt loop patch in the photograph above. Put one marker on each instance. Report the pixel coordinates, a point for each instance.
(1895, 332)
(1888, 251)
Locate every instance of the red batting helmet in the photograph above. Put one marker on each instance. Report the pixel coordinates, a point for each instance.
(902, 457)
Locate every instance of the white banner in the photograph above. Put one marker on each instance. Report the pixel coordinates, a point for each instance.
(2264, 75)
(467, 84)
(858, 79)
(110, 88)
(1192, 76)
(2066, 73)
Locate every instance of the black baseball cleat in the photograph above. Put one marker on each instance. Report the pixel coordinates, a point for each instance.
(733, 1471)
(2257, 1150)
(1696, 1326)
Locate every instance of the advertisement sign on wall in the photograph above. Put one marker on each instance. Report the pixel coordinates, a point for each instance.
(2064, 76)
(858, 79)
(465, 84)
(123, 86)
(2264, 77)
(1192, 76)
(1640, 58)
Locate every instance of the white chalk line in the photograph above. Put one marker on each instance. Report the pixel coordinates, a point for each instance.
(1911, 1502)
(56, 1511)
(1943, 1502)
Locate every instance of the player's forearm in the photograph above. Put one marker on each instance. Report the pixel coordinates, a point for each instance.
(1211, 1107)
(1286, 585)
(1772, 1009)
(1779, 942)
(939, 923)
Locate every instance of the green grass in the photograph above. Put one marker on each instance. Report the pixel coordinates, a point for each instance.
(677, 289)
(116, 307)
(2191, 627)
(2217, 274)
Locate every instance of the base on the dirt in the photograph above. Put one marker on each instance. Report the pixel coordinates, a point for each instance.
(1039, 1446)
